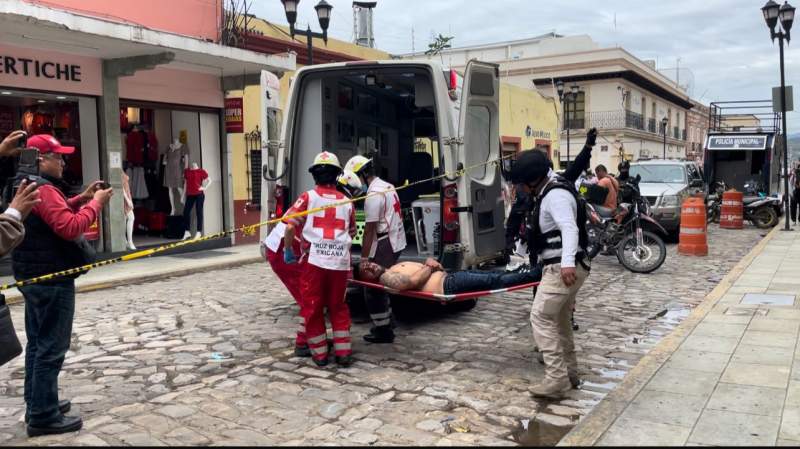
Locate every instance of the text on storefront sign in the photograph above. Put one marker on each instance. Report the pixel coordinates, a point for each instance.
(234, 115)
(40, 69)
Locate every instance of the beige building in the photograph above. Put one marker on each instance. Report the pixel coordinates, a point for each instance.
(622, 96)
(696, 130)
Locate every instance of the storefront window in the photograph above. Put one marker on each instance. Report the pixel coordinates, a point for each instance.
(35, 113)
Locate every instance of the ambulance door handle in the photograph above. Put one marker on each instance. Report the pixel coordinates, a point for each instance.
(461, 209)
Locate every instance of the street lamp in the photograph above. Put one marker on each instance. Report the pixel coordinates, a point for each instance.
(772, 13)
(566, 98)
(664, 122)
(323, 9)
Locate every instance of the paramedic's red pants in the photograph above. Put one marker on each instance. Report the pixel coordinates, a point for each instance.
(322, 289)
(290, 276)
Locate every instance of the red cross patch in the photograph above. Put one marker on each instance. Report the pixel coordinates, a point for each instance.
(329, 224)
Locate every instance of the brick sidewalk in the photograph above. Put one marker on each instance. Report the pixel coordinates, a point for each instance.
(730, 375)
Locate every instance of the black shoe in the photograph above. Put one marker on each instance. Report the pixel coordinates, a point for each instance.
(63, 425)
(575, 325)
(63, 407)
(302, 351)
(321, 362)
(574, 380)
(381, 334)
(344, 361)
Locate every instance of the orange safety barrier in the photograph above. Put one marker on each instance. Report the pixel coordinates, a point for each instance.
(693, 240)
(732, 212)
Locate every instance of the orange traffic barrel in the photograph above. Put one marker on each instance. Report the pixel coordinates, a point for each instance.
(731, 215)
(693, 241)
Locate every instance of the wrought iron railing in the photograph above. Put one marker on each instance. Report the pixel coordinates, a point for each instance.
(575, 123)
(253, 156)
(651, 125)
(676, 132)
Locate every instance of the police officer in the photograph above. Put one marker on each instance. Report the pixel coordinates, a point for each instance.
(383, 241)
(327, 233)
(557, 239)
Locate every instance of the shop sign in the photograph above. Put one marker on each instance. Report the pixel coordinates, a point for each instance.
(46, 70)
(741, 143)
(537, 133)
(234, 115)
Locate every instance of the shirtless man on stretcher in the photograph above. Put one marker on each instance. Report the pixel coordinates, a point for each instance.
(430, 277)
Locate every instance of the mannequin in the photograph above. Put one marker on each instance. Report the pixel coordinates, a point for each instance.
(176, 161)
(195, 183)
(128, 208)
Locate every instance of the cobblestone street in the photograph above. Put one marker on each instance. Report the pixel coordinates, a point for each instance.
(207, 359)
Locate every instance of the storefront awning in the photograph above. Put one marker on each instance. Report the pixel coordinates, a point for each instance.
(40, 27)
(739, 142)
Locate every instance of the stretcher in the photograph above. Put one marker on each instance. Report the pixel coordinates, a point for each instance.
(443, 298)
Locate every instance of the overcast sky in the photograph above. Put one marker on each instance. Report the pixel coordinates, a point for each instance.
(725, 44)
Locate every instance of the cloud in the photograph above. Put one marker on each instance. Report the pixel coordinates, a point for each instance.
(724, 43)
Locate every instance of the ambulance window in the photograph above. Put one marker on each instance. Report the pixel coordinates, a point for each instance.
(274, 119)
(476, 142)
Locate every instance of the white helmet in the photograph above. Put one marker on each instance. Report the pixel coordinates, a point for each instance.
(326, 158)
(356, 163)
(350, 182)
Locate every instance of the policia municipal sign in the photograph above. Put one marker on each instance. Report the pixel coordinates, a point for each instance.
(754, 142)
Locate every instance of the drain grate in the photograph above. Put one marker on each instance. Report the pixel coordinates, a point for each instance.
(768, 300)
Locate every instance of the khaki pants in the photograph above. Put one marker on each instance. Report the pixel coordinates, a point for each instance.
(550, 319)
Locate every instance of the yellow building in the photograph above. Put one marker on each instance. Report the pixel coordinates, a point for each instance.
(270, 38)
(527, 120)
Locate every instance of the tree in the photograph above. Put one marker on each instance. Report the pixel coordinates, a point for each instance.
(439, 43)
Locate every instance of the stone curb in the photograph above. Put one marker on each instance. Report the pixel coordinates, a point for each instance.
(16, 297)
(592, 427)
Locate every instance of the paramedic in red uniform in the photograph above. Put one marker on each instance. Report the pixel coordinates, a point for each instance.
(289, 274)
(327, 235)
(384, 239)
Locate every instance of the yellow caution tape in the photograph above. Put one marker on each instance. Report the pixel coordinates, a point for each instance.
(245, 230)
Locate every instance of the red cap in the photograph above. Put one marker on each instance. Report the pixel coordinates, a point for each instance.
(46, 143)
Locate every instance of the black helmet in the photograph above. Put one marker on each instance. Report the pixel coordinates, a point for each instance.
(530, 167)
(624, 166)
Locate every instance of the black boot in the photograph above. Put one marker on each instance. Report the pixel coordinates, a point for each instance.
(380, 334)
(321, 362)
(302, 351)
(63, 407)
(63, 424)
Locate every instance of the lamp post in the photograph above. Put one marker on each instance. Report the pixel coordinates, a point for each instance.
(772, 12)
(664, 123)
(566, 98)
(323, 15)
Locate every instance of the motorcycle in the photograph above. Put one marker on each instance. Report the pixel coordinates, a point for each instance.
(761, 210)
(638, 250)
(714, 202)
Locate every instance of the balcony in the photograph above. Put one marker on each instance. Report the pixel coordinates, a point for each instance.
(651, 125)
(614, 120)
(676, 132)
(575, 123)
(684, 135)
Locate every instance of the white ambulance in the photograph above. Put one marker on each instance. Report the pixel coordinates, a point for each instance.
(418, 121)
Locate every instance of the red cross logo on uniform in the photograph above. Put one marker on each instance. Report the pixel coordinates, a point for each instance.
(329, 224)
(397, 205)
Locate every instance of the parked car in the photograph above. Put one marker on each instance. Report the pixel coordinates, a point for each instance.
(666, 184)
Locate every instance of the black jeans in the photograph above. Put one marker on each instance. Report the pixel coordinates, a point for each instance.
(378, 305)
(192, 201)
(473, 281)
(49, 310)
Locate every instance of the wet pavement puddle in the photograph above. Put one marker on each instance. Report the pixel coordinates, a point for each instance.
(538, 433)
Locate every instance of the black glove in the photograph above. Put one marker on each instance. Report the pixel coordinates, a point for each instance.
(591, 137)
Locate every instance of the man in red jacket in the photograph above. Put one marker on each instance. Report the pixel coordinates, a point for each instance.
(53, 233)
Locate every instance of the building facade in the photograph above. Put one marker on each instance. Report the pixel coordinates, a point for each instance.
(124, 83)
(622, 96)
(696, 131)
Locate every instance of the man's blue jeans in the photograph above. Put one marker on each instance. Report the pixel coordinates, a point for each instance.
(473, 281)
(49, 309)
